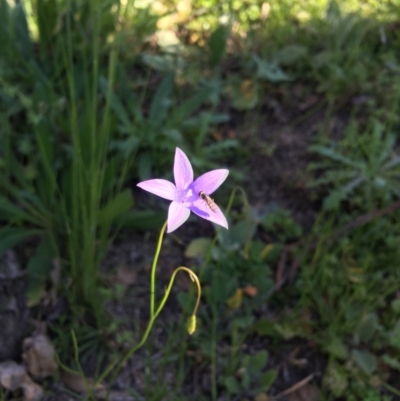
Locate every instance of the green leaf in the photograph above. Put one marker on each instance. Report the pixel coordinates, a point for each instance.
(394, 336)
(365, 360)
(217, 44)
(242, 232)
(188, 107)
(332, 201)
(198, 247)
(244, 94)
(117, 106)
(286, 330)
(46, 156)
(264, 327)
(291, 54)
(10, 237)
(22, 39)
(145, 164)
(142, 220)
(335, 379)
(366, 328)
(267, 379)
(39, 267)
(333, 13)
(270, 71)
(10, 212)
(232, 385)
(163, 63)
(392, 362)
(115, 207)
(161, 101)
(332, 154)
(47, 15)
(211, 119)
(218, 149)
(243, 322)
(337, 348)
(257, 362)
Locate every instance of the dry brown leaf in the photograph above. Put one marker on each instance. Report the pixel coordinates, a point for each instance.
(32, 390)
(217, 135)
(308, 392)
(308, 102)
(11, 268)
(39, 356)
(261, 397)
(250, 290)
(198, 357)
(79, 384)
(14, 376)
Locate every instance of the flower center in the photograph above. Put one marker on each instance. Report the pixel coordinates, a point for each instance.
(186, 197)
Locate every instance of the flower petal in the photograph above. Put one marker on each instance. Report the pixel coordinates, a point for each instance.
(201, 208)
(209, 182)
(183, 172)
(159, 187)
(177, 215)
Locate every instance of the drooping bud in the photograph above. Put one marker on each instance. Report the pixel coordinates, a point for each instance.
(191, 324)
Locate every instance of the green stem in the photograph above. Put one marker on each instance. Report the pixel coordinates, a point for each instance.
(214, 354)
(391, 388)
(152, 320)
(153, 270)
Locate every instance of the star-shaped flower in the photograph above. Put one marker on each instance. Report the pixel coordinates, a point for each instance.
(188, 195)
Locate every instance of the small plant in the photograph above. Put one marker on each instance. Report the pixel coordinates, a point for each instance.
(57, 166)
(362, 169)
(280, 224)
(348, 286)
(236, 281)
(168, 123)
(249, 377)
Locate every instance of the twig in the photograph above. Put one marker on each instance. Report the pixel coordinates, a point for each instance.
(293, 388)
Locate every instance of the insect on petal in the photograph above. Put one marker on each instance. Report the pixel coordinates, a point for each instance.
(177, 215)
(160, 187)
(201, 208)
(209, 182)
(183, 172)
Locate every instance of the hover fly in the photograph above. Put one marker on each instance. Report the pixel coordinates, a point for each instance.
(210, 202)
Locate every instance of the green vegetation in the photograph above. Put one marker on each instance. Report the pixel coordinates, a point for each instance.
(300, 99)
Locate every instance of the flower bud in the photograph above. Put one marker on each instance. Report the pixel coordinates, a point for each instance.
(191, 324)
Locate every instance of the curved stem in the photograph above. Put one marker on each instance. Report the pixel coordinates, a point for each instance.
(169, 287)
(153, 270)
(152, 320)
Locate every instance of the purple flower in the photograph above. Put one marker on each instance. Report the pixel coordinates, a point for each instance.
(188, 195)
